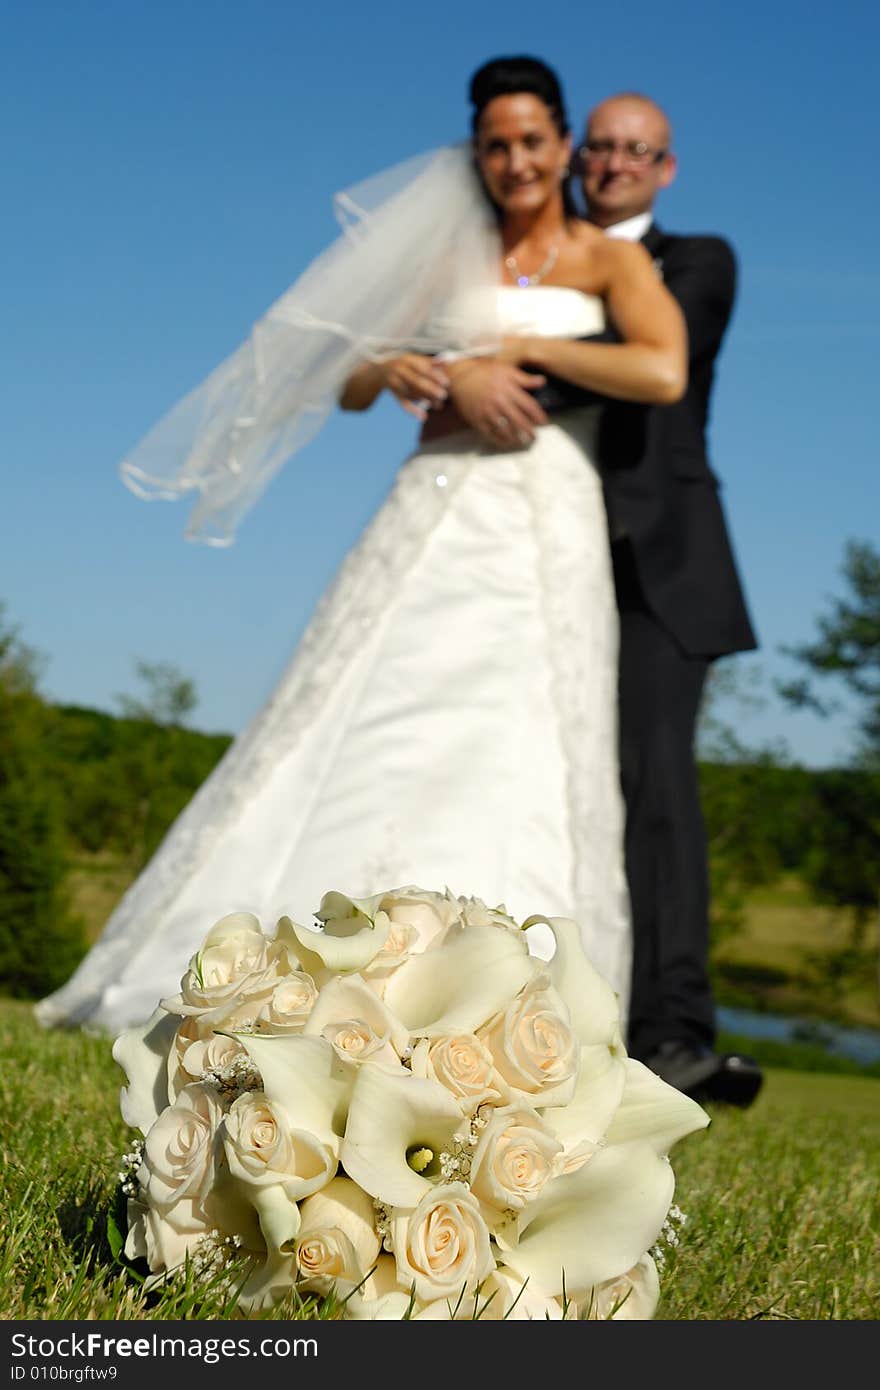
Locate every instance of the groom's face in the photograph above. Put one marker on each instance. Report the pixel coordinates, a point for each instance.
(625, 158)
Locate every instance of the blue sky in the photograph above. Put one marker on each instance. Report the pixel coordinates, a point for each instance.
(168, 170)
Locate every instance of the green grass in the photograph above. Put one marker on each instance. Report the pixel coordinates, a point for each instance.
(782, 1200)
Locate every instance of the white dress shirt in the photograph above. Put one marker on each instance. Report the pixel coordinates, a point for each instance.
(632, 229)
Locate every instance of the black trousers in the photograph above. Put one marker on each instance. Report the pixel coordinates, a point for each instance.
(666, 852)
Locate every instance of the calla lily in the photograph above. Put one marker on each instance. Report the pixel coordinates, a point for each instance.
(592, 1004)
(590, 1224)
(346, 998)
(279, 1217)
(143, 1055)
(380, 1298)
(502, 1297)
(600, 1082)
(460, 985)
(522, 1302)
(652, 1110)
(271, 1279)
(307, 1078)
(342, 912)
(165, 1246)
(344, 945)
(633, 1297)
(391, 1115)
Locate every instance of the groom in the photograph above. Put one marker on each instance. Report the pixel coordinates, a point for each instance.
(680, 602)
(681, 606)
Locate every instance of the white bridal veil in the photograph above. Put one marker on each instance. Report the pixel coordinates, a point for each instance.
(418, 244)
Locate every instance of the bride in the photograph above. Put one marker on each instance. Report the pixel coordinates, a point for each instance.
(449, 717)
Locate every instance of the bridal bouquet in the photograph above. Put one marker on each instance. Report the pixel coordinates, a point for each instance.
(403, 1107)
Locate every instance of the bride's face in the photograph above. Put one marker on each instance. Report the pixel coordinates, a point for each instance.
(520, 153)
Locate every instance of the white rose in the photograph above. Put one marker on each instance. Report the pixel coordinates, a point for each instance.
(442, 1246)
(263, 1149)
(326, 1259)
(344, 1206)
(356, 1041)
(533, 1046)
(417, 918)
(428, 914)
(179, 1157)
(514, 1158)
(289, 1005)
(356, 1022)
(337, 1244)
(463, 1065)
(475, 913)
(400, 944)
(195, 1050)
(235, 968)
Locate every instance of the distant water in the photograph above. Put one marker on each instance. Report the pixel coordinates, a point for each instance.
(859, 1044)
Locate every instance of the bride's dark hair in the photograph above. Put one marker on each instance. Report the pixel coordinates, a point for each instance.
(503, 77)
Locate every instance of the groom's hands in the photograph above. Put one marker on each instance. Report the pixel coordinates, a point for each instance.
(494, 398)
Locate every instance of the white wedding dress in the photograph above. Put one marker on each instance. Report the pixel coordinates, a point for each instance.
(448, 719)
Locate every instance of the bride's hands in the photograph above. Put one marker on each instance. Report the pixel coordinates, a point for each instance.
(419, 383)
(493, 396)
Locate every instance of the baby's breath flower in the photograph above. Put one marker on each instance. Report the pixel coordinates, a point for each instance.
(235, 1079)
(669, 1237)
(131, 1161)
(383, 1224)
(213, 1252)
(455, 1163)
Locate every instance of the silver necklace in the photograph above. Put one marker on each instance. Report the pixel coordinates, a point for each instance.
(525, 280)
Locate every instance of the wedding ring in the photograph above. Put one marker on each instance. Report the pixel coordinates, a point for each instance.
(501, 423)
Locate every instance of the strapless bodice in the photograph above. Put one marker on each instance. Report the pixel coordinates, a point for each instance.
(545, 311)
(549, 311)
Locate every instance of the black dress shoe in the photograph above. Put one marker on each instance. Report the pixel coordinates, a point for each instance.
(728, 1077)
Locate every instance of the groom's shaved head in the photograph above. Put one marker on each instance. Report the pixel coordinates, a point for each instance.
(626, 157)
(650, 115)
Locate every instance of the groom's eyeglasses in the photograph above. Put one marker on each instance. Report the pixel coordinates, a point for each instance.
(631, 151)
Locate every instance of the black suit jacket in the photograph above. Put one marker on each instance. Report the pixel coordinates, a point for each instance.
(660, 491)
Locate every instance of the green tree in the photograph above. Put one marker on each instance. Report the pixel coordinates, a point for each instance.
(846, 650)
(843, 866)
(40, 942)
(154, 756)
(746, 792)
(169, 698)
